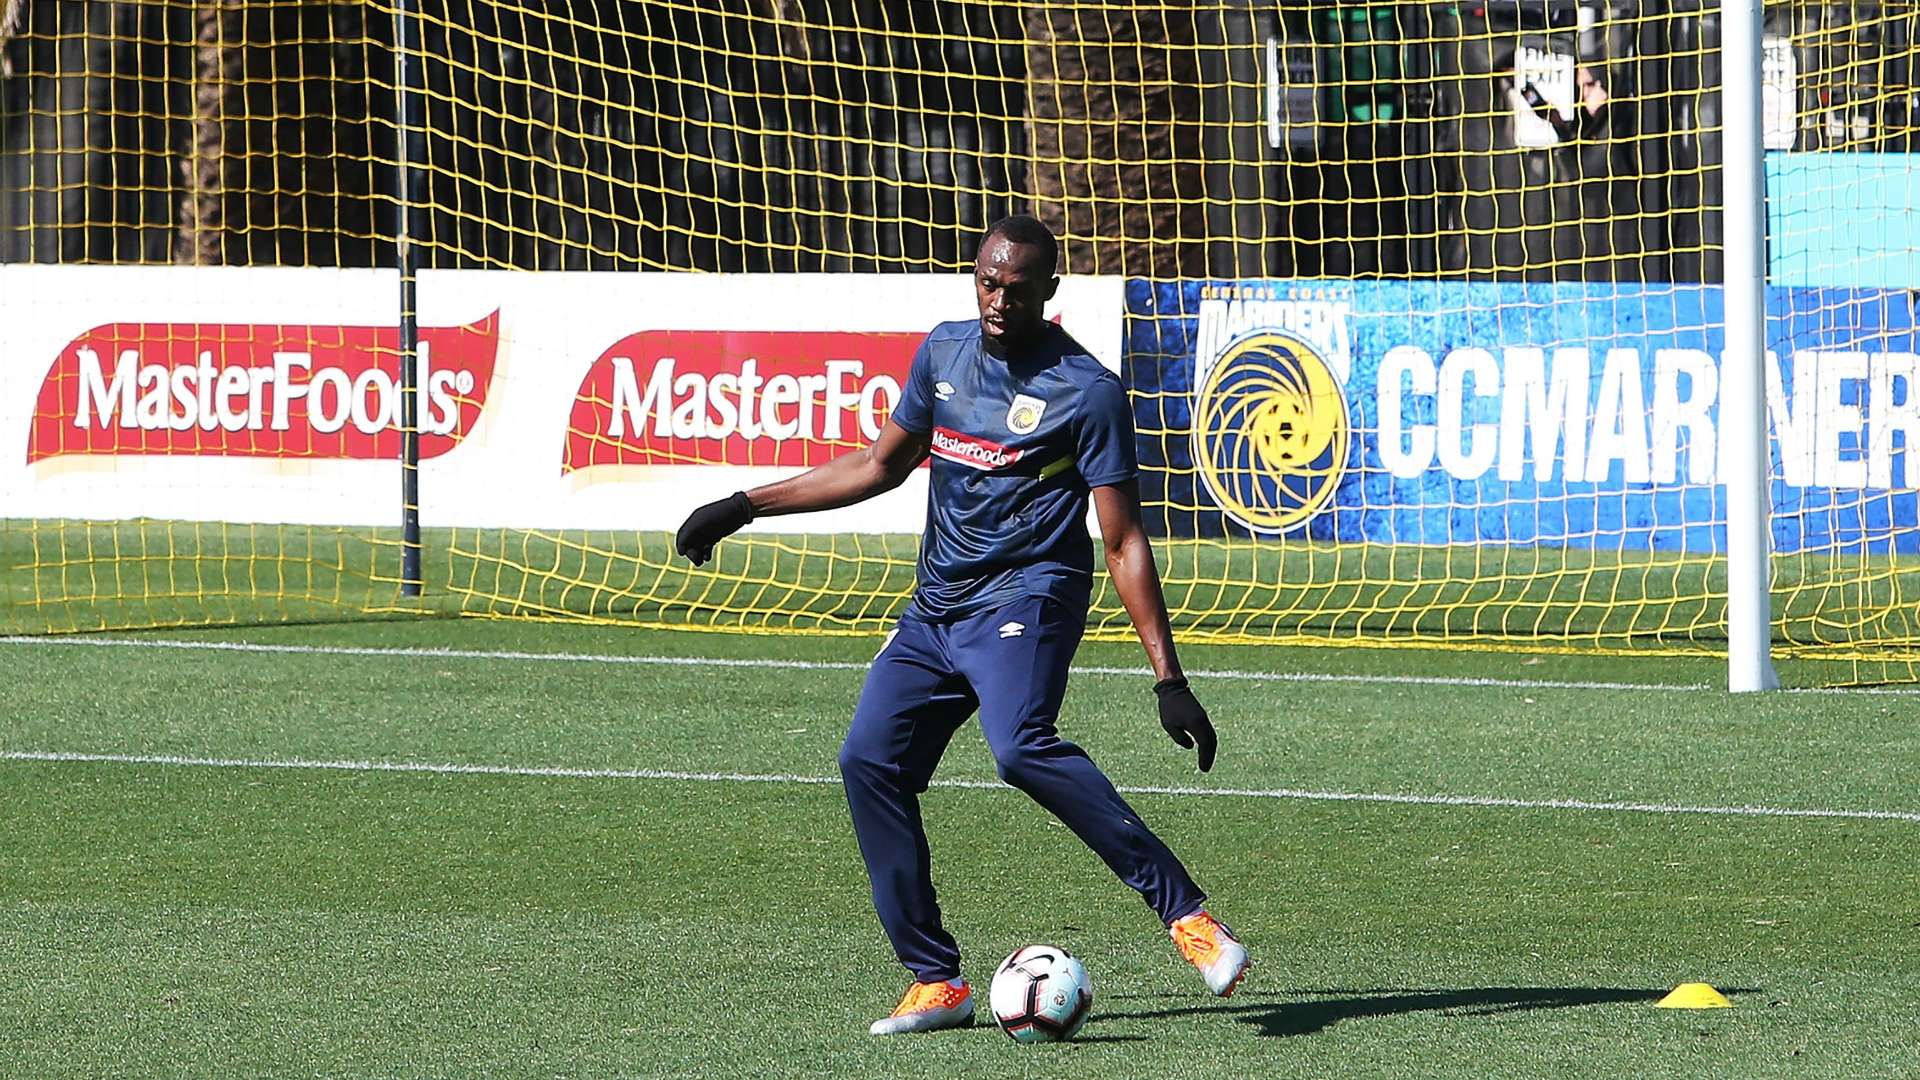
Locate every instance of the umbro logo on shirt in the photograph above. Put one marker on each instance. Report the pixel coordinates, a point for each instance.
(1011, 629)
(943, 390)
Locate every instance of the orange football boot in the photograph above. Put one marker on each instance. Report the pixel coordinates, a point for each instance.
(929, 1006)
(1209, 946)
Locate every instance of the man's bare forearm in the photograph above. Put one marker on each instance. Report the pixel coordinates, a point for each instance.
(845, 480)
(1137, 580)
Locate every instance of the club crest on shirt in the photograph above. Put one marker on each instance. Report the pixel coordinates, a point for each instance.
(1023, 416)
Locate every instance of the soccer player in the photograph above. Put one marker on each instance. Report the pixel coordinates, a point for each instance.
(1023, 427)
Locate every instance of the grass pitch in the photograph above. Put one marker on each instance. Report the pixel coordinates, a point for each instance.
(699, 910)
(1854, 614)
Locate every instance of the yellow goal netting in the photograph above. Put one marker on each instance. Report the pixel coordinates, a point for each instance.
(1417, 303)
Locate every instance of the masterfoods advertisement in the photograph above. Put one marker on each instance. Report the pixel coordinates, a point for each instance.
(1390, 412)
(550, 401)
(1515, 413)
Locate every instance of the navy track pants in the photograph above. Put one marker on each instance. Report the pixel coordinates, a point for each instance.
(1011, 664)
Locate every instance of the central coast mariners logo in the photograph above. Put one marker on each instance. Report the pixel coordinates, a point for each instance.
(1270, 424)
(1023, 416)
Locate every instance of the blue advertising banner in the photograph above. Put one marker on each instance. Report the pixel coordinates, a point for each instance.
(1570, 414)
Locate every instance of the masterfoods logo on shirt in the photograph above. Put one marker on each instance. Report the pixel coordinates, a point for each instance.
(243, 390)
(695, 397)
(1270, 424)
(972, 451)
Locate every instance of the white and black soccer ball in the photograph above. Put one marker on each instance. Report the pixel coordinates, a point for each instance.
(1041, 994)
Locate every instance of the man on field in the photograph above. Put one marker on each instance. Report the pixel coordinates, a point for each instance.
(1024, 427)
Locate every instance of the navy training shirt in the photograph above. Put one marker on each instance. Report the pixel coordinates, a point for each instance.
(1017, 445)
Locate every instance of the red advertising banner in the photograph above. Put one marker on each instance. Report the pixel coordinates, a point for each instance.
(276, 391)
(781, 398)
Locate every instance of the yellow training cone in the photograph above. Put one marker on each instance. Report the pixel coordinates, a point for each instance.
(1694, 996)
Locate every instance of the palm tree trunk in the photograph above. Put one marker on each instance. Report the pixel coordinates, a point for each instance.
(204, 169)
(1113, 107)
(13, 13)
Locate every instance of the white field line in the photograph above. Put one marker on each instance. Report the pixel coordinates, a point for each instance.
(812, 665)
(791, 778)
(850, 665)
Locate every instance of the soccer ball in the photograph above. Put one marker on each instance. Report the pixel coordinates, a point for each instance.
(1041, 994)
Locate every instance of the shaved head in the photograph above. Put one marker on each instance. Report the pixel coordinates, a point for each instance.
(1013, 278)
(1027, 229)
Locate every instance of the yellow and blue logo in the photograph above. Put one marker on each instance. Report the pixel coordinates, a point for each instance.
(1270, 431)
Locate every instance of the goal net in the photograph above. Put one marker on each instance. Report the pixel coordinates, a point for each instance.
(1418, 306)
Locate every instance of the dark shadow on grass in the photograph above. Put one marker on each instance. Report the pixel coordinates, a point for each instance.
(984, 1024)
(1284, 1018)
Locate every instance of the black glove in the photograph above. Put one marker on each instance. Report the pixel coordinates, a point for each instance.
(711, 524)
(1184, 718)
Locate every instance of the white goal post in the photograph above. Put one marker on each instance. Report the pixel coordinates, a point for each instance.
(1744, 410)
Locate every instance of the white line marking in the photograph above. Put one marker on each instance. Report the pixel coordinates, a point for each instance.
(818, 665)
(972, 785)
